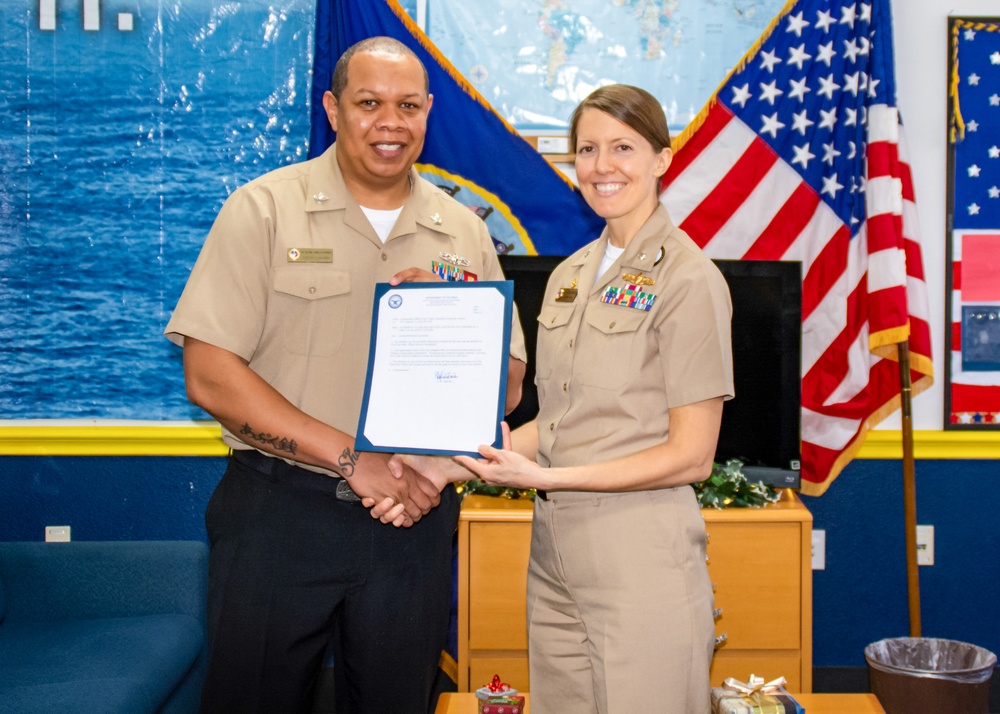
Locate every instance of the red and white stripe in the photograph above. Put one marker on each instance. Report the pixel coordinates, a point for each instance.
(738, 200)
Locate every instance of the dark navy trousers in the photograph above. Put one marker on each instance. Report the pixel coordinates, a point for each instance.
(293, 570)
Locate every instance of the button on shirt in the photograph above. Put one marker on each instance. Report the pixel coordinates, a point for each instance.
(607, 373)
(286, 280)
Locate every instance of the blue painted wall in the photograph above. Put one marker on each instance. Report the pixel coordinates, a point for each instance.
(860, 598)
(107, 498)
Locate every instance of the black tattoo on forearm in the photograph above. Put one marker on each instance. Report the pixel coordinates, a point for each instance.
(347, 461)
(277, 443)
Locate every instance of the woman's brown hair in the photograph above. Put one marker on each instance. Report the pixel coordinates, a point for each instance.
(634, 107)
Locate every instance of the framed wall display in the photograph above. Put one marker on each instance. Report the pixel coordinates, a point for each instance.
(972, 372)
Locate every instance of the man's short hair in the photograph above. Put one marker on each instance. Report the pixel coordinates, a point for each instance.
(380, 44)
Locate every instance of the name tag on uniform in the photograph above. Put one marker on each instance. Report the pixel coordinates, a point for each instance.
(567, 294)
(310, 255)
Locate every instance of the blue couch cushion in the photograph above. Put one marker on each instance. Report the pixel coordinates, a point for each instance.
(122, 664)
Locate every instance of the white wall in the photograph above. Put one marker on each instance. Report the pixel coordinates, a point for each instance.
(921, 37)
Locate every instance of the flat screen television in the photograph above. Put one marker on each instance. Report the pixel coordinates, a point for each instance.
(762, 426)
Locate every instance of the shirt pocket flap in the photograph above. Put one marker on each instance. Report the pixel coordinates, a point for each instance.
(614, 319)
(311, 282)
(553, 316)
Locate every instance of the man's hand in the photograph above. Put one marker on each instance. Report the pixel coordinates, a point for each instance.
(434, 472)
(415, 275)
(413, 495)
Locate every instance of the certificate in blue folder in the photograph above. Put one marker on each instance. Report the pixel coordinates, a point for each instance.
(437, 367)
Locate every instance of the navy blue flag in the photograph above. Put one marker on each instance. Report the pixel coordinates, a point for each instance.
(975, 93)
(469, 147)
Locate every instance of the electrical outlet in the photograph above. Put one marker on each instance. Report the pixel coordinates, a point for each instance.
(819, 550)
(925, 545)
(57, 534)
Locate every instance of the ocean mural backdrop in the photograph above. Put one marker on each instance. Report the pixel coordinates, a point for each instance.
(126, 125)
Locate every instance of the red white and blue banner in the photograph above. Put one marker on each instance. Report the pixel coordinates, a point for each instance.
(800, 156)
(972, 392)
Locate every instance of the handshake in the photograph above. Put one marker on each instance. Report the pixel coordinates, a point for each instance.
(417, 480)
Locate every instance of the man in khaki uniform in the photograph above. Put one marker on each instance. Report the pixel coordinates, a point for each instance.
(275, 322)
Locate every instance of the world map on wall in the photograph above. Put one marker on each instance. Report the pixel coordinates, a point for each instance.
(534, 61)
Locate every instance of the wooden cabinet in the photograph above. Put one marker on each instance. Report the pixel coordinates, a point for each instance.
(759, 563)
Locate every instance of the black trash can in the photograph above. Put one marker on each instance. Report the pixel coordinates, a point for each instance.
(930, 676)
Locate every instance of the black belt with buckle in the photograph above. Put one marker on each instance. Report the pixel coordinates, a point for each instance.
(273, 466)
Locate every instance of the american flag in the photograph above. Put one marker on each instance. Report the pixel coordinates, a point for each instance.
(973, 395)
(799, 156)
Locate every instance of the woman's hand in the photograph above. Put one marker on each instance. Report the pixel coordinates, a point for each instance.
(438, 470)
(504, 467)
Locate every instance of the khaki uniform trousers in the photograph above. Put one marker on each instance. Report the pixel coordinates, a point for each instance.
(619, 604)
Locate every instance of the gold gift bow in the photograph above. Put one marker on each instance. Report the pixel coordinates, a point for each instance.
(755, 687)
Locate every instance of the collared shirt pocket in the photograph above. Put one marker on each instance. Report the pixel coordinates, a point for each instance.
(610, 345)
(553, 339)
(312, 303)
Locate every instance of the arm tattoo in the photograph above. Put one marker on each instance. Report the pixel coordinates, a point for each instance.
(278, 443)
(348, 459)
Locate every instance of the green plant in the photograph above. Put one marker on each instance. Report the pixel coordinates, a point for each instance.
(727, 487)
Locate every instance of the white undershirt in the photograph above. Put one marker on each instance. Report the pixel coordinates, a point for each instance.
(611, 254)
(382, 221)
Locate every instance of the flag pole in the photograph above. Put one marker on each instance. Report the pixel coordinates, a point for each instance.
(909, 490)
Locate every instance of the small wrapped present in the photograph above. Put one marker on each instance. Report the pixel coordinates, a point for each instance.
(504, 705)
(754, 697)
(496, 688)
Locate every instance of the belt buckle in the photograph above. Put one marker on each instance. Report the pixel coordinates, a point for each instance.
(346, 493)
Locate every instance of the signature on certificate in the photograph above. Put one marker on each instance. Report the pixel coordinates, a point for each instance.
(445, 376)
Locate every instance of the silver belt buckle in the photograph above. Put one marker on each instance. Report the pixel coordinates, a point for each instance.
(346, 493)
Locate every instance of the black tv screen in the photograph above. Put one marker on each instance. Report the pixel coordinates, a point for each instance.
(761, 426)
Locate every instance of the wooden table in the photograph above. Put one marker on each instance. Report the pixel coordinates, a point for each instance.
(465, 703)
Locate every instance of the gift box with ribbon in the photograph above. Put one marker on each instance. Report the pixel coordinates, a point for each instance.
(504, 705)
(496, 688)
(754, 697)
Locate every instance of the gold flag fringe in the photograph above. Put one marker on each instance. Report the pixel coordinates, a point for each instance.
(956, 132)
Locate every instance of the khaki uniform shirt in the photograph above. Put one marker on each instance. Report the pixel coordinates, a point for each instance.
(287, 275)
(607, 374)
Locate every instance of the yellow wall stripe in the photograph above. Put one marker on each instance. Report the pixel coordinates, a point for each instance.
(189, 439)
(205, 439)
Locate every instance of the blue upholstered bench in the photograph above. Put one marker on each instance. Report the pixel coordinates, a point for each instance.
(106, 627)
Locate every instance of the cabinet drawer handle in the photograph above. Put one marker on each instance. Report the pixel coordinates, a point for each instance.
(717, 613)
(721, 638)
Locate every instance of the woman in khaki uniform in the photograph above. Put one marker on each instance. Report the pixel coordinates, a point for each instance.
(634, 362)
